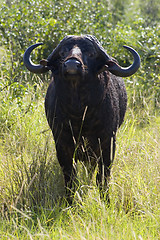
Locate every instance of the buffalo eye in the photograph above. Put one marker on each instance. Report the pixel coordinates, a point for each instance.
(91, 54)
(63, 52)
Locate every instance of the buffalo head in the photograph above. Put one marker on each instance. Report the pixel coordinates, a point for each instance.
(80, 55)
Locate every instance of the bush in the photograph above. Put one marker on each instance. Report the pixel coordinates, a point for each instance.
(114, 23)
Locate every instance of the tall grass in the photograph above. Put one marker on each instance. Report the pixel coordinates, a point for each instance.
(32, 187)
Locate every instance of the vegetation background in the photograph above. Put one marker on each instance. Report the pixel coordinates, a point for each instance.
(31, 183)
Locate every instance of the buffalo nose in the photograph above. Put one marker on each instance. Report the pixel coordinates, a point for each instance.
(72, 66)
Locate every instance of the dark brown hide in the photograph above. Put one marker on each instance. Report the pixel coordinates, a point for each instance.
(84, 109)
(85, 105)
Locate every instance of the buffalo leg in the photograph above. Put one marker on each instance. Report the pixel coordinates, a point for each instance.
(90, 159)
(65, 152)
(104, 167)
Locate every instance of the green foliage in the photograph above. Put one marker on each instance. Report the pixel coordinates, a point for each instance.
(114, 23)
(23, 23)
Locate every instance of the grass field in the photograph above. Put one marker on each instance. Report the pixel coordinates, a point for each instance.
(32, 188)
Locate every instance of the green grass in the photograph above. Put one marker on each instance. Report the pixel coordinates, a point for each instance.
(32, 187)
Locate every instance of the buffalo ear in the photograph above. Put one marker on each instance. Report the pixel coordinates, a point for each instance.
(44, 62)
(111, 64)
(104, 68)
(101, 62)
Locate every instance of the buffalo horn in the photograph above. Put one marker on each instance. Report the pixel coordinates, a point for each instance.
(117, 70)
(29, 64)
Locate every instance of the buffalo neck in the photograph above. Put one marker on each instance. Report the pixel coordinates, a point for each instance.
(77, 95)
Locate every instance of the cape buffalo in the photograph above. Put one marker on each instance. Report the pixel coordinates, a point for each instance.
(85, 104)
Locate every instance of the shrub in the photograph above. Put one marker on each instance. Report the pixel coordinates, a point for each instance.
(114, 23)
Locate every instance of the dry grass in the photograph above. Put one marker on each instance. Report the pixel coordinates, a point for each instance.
(31, 182)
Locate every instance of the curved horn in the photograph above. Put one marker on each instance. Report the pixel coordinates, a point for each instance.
(29, 64)
(117, 70)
